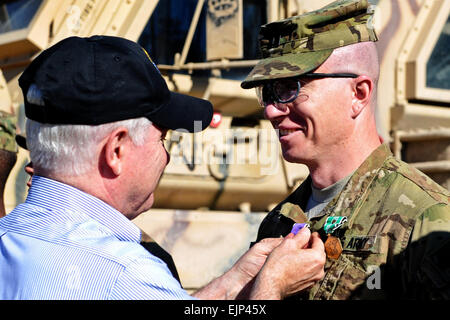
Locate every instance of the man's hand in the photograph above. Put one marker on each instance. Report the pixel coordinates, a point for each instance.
(272, 269)
(252, 261)
(237, 282)
(248, 266)
(296, 264)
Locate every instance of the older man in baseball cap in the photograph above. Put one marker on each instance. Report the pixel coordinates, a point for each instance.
(385, 225)
(98, 111)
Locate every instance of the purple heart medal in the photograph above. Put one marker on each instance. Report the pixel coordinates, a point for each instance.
(298, 226)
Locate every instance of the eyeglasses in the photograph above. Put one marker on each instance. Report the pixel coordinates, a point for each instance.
(287, 90)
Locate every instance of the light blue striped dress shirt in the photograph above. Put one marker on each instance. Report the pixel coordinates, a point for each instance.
(65, 244)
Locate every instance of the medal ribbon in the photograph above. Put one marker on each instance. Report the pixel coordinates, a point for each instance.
(333, 223)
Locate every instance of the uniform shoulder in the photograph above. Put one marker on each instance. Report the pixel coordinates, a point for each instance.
(415, 177)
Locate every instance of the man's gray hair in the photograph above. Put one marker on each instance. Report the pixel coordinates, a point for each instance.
(70, 149)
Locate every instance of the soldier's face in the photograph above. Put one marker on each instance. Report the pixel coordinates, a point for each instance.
(317, 124)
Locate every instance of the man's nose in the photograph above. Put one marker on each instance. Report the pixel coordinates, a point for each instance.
(274, 110)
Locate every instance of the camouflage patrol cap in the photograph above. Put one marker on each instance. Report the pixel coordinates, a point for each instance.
(300, 44)
(7, 132)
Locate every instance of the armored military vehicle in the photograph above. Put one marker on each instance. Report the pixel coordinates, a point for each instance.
(220, 182)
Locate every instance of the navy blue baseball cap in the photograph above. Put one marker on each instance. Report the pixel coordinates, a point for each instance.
(104, 79)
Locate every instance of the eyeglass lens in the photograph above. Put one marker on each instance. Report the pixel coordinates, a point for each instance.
(278, 92)
(286, 91)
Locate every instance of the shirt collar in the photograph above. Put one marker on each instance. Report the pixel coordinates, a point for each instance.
(328, 193)
(50, 194)
(354, 190)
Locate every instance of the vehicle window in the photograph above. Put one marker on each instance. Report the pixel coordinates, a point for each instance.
(166, 31)
(438, 65)
(15, 15)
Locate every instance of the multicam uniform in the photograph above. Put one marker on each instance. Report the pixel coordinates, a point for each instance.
(397, 229)
(7, 132)
(387, 234)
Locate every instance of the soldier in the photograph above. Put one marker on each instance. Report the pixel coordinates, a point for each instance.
(8, 153)
(98, 111)
(385, 224)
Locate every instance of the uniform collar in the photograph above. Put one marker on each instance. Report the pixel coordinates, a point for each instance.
(347, 202)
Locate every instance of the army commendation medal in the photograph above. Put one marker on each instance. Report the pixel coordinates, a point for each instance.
(333, 246)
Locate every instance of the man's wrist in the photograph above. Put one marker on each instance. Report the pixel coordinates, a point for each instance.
(236, 281)
(226, 287)
(266, 287)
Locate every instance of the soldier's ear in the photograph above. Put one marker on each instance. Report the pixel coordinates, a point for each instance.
(362, 94)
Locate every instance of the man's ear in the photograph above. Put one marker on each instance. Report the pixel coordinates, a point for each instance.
(362, 94)
(115, 149)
